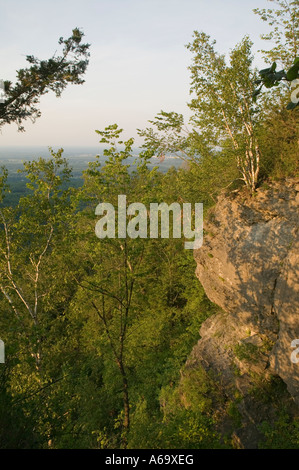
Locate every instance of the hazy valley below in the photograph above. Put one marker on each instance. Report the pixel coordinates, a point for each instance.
(12, 159)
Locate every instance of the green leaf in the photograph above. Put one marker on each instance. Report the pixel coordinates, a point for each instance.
(255, 94)
(292, 106)
(293, 72)
(264, 72)
(273, 67)
(279, 75)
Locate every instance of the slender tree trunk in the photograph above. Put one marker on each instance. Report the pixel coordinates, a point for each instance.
(126, 401)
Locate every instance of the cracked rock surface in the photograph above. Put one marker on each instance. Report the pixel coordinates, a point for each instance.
(249, 266)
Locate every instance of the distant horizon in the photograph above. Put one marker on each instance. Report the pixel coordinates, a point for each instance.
(138, 63)
(66, 148)
(12, 157)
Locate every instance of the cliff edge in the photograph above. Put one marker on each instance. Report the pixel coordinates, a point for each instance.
(249, 266)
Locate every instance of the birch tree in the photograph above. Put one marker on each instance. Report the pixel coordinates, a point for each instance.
(222, 101)
(26, 242)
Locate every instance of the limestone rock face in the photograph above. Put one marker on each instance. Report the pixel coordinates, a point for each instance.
(249, 266)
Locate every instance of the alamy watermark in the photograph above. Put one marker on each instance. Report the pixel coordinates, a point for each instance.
(146, 223)
(2, 352)
(295, 353)
(295, 93)
(2, 92)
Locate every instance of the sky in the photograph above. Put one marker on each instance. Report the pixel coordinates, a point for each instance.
(138, 63)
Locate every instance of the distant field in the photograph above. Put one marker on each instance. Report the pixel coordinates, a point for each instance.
(12, 158)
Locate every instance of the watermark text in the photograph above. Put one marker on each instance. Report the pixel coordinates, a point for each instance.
(137, 221)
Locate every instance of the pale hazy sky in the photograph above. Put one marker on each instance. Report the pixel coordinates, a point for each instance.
(138, 62)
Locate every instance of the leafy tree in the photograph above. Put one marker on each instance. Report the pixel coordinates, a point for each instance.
(270, 78)
(35, 289)
(278, 133)
(32, 225)
(223, 106)
(98, 331)
(22, 98)
(113, 287)
(284, 21)
(278, 138)
(205, 171)
(225, 116)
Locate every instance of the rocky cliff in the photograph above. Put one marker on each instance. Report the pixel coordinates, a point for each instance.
(249, 265)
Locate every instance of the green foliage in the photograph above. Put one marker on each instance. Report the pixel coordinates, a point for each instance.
(278, 137)
(247, 352)
(187, 430)
(284, 434)
(16, 429)
(3, 183)
(284, 22)
(96, 351)
(123, 311)
(270, 78)
(222, 144)
(234, 413)
(223, 107)
(270, 390)
(98, 331)
(232, 136)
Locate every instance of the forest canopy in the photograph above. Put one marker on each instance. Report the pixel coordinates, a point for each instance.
(97, 331)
